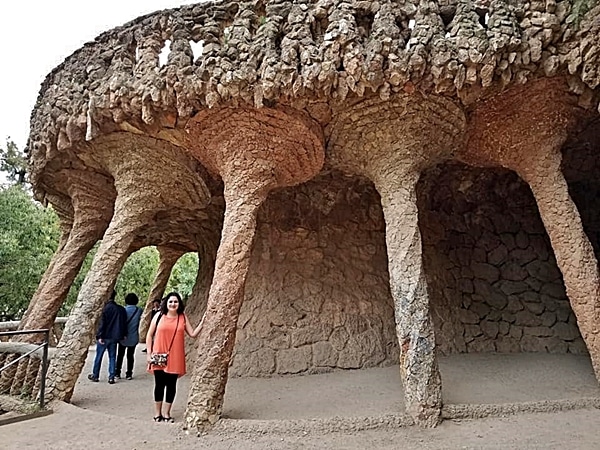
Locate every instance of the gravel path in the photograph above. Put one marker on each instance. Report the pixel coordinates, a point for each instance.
(341, 410)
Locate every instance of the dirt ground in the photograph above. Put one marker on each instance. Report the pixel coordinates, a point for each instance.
(340, 410)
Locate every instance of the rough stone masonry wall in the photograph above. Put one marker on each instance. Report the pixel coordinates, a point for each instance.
(495, 282)
(317, 295)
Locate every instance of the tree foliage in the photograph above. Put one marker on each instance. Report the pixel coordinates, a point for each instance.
(183, 275)
(13, 162)
(138, 274)
(28, 238)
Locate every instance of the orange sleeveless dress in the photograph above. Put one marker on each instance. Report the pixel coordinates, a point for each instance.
(167, 327)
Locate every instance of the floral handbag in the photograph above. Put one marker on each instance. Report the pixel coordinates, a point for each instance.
(159, 359)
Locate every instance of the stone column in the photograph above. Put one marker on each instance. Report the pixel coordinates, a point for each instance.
(167, 259)
(523, 129)
(149, 176)
(78, 335)
(573, 251)
(11, 379)
(254, 151)
(91, 217)
(418, 364)
(391, 142)
(222, 311)
(198, 299)
(62, 242)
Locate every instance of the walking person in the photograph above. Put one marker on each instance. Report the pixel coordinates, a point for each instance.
(166, 335)
(111, 330)
(129, 343)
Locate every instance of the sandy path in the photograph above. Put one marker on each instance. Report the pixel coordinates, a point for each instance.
(302, 412)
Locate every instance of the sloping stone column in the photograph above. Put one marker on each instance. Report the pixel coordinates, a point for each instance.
(199, 297)
(92, 214)
(167, 259)
(390, 143)
(149, 177)
(79, 330)
(573, 251)
(11, 378)
(254, 151)
(524, 130)
(62, 242)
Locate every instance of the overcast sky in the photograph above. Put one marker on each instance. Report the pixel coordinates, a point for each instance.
(37, 35)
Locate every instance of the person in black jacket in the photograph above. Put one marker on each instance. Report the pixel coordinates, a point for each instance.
(129, 343)
(113, 328)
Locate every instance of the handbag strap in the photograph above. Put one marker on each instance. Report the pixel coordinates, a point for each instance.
(152, 342)
(133, 315)
(176, 326)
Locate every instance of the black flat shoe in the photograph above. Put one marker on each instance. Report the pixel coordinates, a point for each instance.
(159, 418)
(168, 419)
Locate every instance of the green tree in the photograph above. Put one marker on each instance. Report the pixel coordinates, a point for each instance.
(183, 275)
(13, 162)
(138, 274)
(28, 238)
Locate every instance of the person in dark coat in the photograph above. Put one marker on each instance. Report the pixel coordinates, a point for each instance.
(113, 328)
(129, 343)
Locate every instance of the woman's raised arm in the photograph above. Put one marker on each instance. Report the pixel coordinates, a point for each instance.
(193, 332)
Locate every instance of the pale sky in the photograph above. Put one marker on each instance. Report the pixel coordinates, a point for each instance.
(37, 35)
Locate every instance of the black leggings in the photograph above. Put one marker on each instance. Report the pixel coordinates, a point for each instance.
(130, 359)
(162, 381)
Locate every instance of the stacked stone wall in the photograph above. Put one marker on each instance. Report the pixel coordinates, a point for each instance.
(317, 295)
(495, 285)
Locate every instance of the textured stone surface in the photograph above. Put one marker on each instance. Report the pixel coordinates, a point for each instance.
(320, 259)
(459, 206)
(201, 153)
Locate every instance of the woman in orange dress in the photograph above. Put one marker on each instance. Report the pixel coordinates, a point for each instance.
(166, 335)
